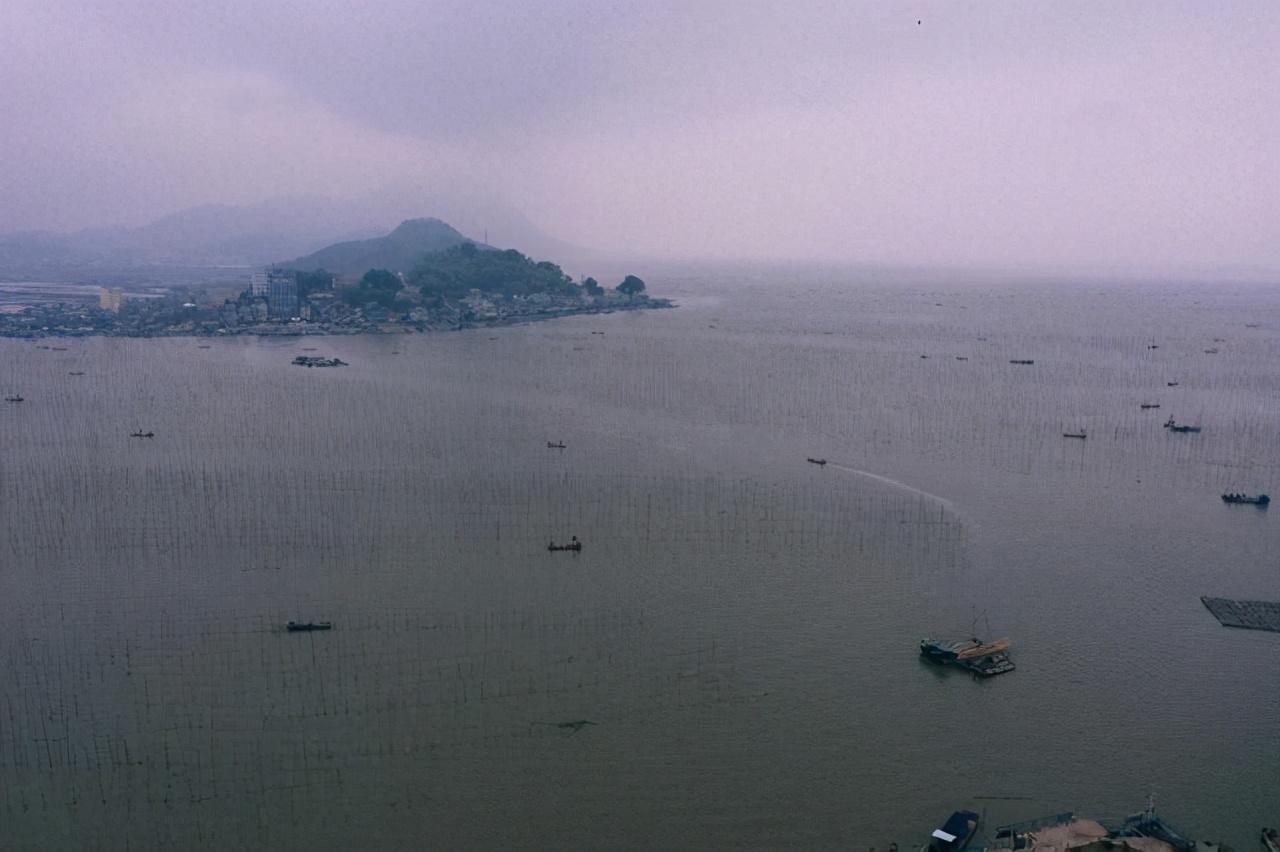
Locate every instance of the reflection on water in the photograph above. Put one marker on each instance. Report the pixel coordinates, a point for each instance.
(729, 661)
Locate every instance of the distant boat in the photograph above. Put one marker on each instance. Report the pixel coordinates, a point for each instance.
(555, 445)
(1174, 427)
(141, 434)
(312, 361)
(1021, 362)
(818, 462)
(573, 545)
(1079, 434)
(13, 399)
(1260, 500)
(956, 832)
(299, 626)
(1172, 384)
(1150, 405)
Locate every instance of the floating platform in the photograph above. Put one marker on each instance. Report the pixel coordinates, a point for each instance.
(1250, 615)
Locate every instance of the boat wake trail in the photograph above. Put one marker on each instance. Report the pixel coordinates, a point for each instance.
(895, 483)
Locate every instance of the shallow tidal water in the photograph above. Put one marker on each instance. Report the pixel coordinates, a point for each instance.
(731, 660)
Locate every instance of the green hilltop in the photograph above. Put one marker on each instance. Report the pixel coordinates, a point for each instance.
(400, 251)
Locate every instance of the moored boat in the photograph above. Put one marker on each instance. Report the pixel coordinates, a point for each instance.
(956, 833)
(984, 659)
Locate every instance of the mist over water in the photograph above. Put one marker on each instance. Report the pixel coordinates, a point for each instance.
(731, 660)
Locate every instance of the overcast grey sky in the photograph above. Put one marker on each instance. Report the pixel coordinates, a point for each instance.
(1018, 133)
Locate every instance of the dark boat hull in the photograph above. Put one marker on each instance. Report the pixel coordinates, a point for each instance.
(1260, 500)
(302, 626)
(960, 827)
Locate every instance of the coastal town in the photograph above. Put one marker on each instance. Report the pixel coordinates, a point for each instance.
(272, 305)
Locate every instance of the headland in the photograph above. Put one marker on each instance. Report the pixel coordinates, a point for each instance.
(465, 285)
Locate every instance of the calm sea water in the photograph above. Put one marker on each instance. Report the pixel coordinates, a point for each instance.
(731, 661)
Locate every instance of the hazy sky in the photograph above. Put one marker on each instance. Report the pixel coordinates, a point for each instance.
(1016, 133)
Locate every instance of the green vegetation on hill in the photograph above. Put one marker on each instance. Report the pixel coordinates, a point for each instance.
(426, 261)
(452, 273)
(378, 286)
(398, 251)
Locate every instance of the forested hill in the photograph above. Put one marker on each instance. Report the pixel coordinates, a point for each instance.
(400, 251)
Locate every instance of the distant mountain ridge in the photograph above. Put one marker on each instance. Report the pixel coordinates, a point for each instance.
(399, 251)
(220, 236)
(213, 235)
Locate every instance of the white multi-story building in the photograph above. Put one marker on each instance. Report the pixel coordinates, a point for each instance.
(259, 283)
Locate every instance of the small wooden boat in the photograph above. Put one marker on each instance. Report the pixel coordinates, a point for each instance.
(818, 462)
(1150, 405)
(141, 434)
(15, 398)
(300, 626)
(555, 445)
(1079, 434)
